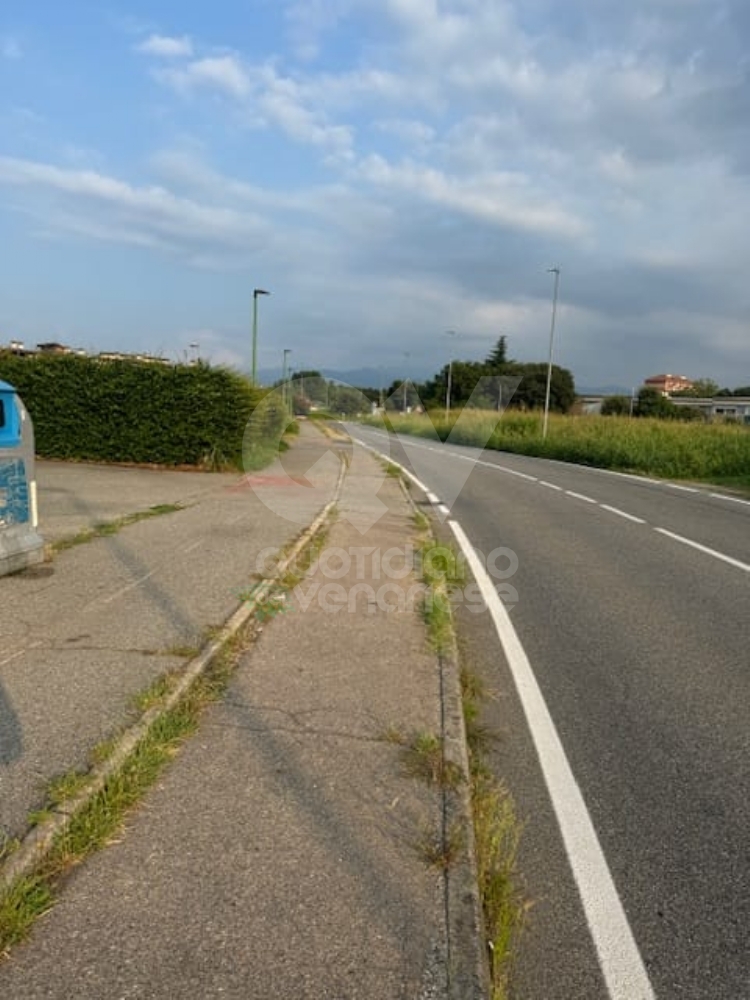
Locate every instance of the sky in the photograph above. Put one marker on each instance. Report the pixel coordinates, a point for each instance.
(388, 170)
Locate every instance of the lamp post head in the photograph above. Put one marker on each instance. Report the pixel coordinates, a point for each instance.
(259, 291)
(553, 270)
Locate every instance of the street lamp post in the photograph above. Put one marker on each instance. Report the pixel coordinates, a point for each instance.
(406, 380)
(449, 333)
(256, 293)
(556, 272)
(285, 387)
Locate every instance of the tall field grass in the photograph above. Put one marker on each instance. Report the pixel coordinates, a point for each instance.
(716, 453)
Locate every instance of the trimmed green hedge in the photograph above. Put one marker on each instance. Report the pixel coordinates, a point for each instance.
(131, 411)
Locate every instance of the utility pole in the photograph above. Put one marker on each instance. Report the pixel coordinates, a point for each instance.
(556, 272)
(449, 333)
(256, 293)
(284, 384)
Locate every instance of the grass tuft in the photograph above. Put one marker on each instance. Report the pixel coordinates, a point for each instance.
(20, 906)
(108, 528)
(497, 834)
(424, 758)
(440, 849)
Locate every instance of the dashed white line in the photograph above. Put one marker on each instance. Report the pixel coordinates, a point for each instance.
(620, 961)
(622, 513)
(443, 509)
(513, 472)
(724, 496)
(580, 496)
(721, 556)
(705, 549)
(191, 548)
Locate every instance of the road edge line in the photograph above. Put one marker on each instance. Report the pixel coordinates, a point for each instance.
(619, 958)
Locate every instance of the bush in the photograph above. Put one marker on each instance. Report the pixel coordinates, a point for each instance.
(131, 411)
(616, 406)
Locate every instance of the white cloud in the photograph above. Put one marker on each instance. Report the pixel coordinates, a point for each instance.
(504, 199)
(165, 46)
(412, 132)
(111, 206)
(281, 101)
(224, 73)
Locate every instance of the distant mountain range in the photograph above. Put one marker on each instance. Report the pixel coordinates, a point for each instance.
(364, 378)
(604, 390)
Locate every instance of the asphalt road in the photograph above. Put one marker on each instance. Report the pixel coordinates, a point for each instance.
(632, 610)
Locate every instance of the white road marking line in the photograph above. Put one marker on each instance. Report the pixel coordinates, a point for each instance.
(705, 549)
(504, 468)
(515, 472)
(191, 548)
(724, 496)
(13, 656)
(432, 498)
(550, 486)
(130, 586)
(580, 496)
(684, 489)
(443, 509)
(410, 475)
(620, 961)
(387, 458)
(20, 652)
(622, 513)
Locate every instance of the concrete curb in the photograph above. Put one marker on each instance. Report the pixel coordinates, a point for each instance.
(468, 963)
(38, 842)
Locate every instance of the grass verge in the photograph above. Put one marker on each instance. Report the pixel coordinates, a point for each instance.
(497, 831)
(497, 835)
(711, 453)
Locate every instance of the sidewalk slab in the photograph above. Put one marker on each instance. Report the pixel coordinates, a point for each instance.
(280, 855)
(79, 637)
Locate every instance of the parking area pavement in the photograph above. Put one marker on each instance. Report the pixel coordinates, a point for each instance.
(84, 633)
(294, 848)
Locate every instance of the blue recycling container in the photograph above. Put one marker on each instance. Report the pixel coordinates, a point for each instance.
(20, 544)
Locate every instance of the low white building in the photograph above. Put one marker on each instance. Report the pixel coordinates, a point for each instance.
(718, 407)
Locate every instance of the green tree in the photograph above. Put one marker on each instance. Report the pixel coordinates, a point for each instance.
(498, 357)
(312, 385)
(702, 388)
(651, 403)
(616, 406)
(532, 389)
(396, 396)
(345, 399)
